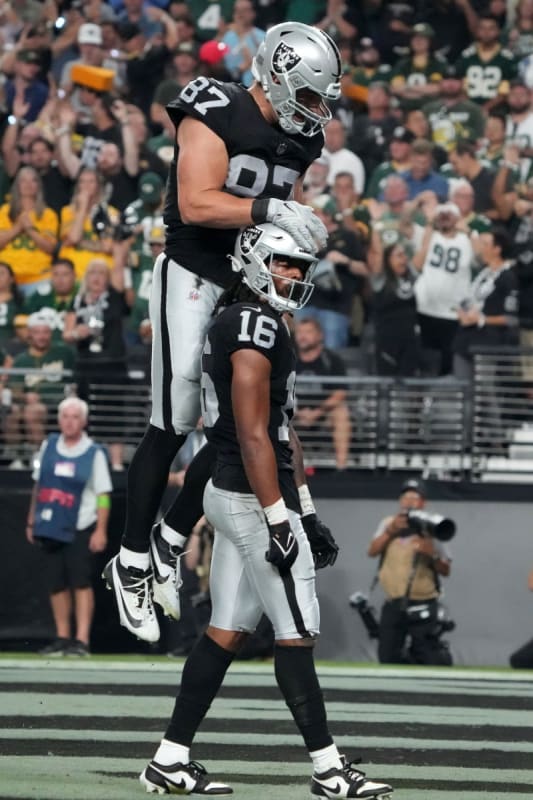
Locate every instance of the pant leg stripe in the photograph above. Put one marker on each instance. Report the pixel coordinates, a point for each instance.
(165, 350)
(290, 593)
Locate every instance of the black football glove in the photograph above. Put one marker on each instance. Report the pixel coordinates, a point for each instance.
(323, 546)
(283, 547)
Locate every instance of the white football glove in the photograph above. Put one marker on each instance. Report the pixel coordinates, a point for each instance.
(307, 230)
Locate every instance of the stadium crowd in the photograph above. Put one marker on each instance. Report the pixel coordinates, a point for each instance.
(425, 183)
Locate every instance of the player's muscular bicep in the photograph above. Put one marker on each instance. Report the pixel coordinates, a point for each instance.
(202, 171)
(250, 393)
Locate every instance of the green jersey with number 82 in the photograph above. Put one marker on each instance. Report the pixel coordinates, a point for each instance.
(486, 79)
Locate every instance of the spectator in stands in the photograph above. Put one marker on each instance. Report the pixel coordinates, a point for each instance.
(321, 405)
(94, 325)
(57, 188)
(519, 34)
(466, 164)
(184, 68)
(34, 393)
(91, 53)
(17, 138)
(368, 69)
(68, 517)
(242, 39)
(416, 77)
(486, 67)
(120, 183)
(145, 18)
(25, 85)
(422, 177)
(488, 315)
(342, 21)
(409, 571)
(371, 132)
(11, 301)
(87, 224)
(462, 195)
(141, 267)
(445, 263)
(340, 158)
(355, 215)
(109, 124)
(28, 231)
(146, 59)
(316, 178)
(393, 309)
(339, 276)
(451, 115)
(492, 146)
(519, 127)
(400, 151)
(455, 23)
(395, 217)
(58, 296)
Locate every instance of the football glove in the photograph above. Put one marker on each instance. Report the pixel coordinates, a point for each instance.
(283, 547)
(307, 230)
(323, 546)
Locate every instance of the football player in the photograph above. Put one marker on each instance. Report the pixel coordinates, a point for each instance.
(240, 156)
(262, 560)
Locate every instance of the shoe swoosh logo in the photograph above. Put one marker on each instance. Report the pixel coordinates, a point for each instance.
(334, 789)
(156, 561)
(174, 784)
(135, 623)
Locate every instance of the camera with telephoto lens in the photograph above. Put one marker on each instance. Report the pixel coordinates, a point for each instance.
(425, 524)
(359, 601)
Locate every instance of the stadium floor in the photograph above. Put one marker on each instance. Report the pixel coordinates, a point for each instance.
(83, 730)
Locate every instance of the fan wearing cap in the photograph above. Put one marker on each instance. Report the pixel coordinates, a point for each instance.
(400, 148)
(409, 571)
(33, 393)
(452, 116)
(368, 69)
(184, 67)
(417, 76)
(26, 87)
(445, 261)
(139, 274)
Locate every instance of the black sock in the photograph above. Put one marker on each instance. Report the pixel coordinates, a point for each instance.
(188, 506)
(147, 480)
(298, 681)
(201, 679)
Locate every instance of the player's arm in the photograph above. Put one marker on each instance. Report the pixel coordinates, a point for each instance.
(250, 397)
(323, 546)
(202, 171)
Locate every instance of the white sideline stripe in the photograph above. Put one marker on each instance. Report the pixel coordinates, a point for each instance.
(267, 739)
(36, 704)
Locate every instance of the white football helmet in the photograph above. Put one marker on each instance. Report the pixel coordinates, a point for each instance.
(294, 56)
(256, 248)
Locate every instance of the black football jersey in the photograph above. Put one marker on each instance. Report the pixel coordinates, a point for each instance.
(254, 326)
(263, 162)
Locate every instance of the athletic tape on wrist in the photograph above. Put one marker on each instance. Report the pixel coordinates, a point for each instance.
(306, 501)
(276, 513)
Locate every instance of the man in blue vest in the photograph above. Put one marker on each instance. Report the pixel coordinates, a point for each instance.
(68, 517)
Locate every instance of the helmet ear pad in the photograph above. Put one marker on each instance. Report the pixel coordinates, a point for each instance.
(292, 57)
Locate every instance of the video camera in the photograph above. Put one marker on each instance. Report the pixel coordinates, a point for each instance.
(359, 601)
(425, 524)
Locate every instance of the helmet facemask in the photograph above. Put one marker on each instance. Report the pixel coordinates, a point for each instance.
(256, 251)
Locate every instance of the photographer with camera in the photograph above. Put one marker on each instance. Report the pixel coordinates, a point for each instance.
(413, 557)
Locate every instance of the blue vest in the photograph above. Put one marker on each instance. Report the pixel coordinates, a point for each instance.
(61, 486)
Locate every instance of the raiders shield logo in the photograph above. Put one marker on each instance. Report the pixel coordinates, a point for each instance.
(249, 239)
(284, 58)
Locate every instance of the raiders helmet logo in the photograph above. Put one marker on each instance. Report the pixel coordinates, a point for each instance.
(249, 239)
(284, 58)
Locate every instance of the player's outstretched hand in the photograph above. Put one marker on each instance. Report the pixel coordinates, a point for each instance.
(323, 546)
(307, 230)
(283, 547)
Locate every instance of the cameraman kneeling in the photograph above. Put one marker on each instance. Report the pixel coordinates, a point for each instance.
(411, 561)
